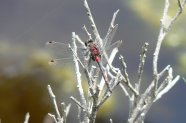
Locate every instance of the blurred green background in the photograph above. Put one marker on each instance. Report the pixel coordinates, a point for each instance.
(25, 26)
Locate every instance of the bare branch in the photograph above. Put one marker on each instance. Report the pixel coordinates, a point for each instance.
(141, 65)
(167, 88)
(144, 110)
(53, 117)
(124, 66)
(86, 31)
(124, 90)
(140, 103)
(78, 76)
(161, 37)
(80, 41)
(78, 103)
(114, 18)
(166, 81)
(164, 71)
(65, 111)
(53, 97)
(165, 26)
(111, 31)
(108, 93)
(75, 56)
(93, 25)
(180, 6)
(126, 78)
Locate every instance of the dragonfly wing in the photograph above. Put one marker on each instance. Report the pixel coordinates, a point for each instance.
(99, 43)
(61, 51)
(109, 37)
(116, 44)
(109, 50)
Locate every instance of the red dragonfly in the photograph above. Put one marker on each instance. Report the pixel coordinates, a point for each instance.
(95, 53)
(96, 56)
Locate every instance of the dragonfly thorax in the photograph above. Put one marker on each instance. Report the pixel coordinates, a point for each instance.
(94, 51)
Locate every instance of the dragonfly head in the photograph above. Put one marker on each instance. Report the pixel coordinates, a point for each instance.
(88, 42)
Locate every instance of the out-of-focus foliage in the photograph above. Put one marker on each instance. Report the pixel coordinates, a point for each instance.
(24, 76)
(151, 12)
(182, 62)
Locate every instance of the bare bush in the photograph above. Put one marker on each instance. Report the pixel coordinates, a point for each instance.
(112, 77)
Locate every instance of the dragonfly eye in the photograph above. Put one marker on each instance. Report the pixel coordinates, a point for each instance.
(90, 41)
(86, 44)
(52, 60)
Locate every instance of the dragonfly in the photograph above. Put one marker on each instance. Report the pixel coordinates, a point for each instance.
(92, 50)
(95, 55)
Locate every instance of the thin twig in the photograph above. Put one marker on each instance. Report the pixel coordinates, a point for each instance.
(108, 93)
(75, 55)
(76, 58)
(53, 97)
(86, 31)
(124, 69)
(184, 79)
(111, 121)
(27, 116)
(91, 20)
(68, 109)
(65, 111)
(111, 31)
(125, 77)
(181, 7)
(166, 81)
(53, 117)
(164, 71)
(78, 103)
(141, 65)
(114, 18)
(78, 39)
(124, 90)
(63, 106)
(167, 88)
